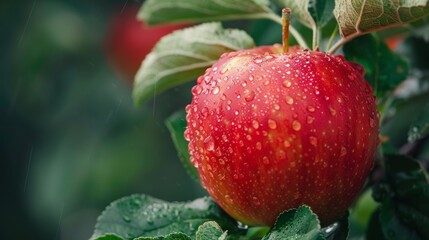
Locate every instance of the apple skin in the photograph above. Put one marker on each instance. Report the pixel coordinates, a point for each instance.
(269, 131)
(128, 41)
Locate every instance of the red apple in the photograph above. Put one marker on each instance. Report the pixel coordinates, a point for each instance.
(269, 131)
(128, 41)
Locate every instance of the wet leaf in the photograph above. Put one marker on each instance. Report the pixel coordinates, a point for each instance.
(300, 223)
(169, 11)
(321, 11)
(403, 212)
(145, 216)
(176, 123)
(384, 69)
(420, 126)
(210, 231)
(184, 55)
(300, 11)
(108, 237)
(358, 17)
(172, 236)
(392, 225)
(409, 181)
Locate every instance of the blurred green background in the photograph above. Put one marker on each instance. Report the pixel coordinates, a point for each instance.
(71, 139)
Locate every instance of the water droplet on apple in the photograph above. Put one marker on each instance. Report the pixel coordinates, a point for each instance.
(311, 108)
(249, 95)
(265, 160)
(207, 79)
(343, 152)
(296, 125)
(255, 124)
(215, 90)
(289, 100)
(333, 111)
(229, 199)
(196, 90)
(286, 143)
(205, 111)
(259, 145)
(313, 141)
(310, 119)
(209, 143)
(371, 122)
(272, 124)
(287, 83)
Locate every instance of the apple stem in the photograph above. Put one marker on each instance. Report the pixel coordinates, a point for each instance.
(285, 24)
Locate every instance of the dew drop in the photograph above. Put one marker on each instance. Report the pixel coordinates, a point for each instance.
(196, 90)
(310, 119)
(209, 143)
(343, 152)
(276, 107)
(258, 60)
(255, 124)
(229, 199)
(296, 125)
(126, 219)
(272, 124)
(207, 79)
(205, 111)
(333, 111)
(215, 90)
(311, 108)
(224, 70)
(249, 95)
(259, 145)
(371, 122)
(265, 160)
(287, 83)
(286, 143)
(256, 201)
(289, 100)
(313, 141)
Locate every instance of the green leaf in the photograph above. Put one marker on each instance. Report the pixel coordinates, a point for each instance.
(300, 11)
(310, 12)
(257, 232)
(420, 126)
(184, 55)
(404, 212)
(374, 231)
(210, 231)
(172, 236)
(321, 11)
(384, 69)
(169, 11)
(145, 216)
(357, 17)
(300, 223)
(409, 181)
(108, 237)
(176, 123)
(392, 225)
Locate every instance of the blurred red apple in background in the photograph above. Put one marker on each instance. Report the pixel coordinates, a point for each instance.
(128, 41)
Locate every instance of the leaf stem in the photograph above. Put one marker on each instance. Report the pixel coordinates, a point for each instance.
(285, 28)
(332, 37)
(316, 32)
(298, 37)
